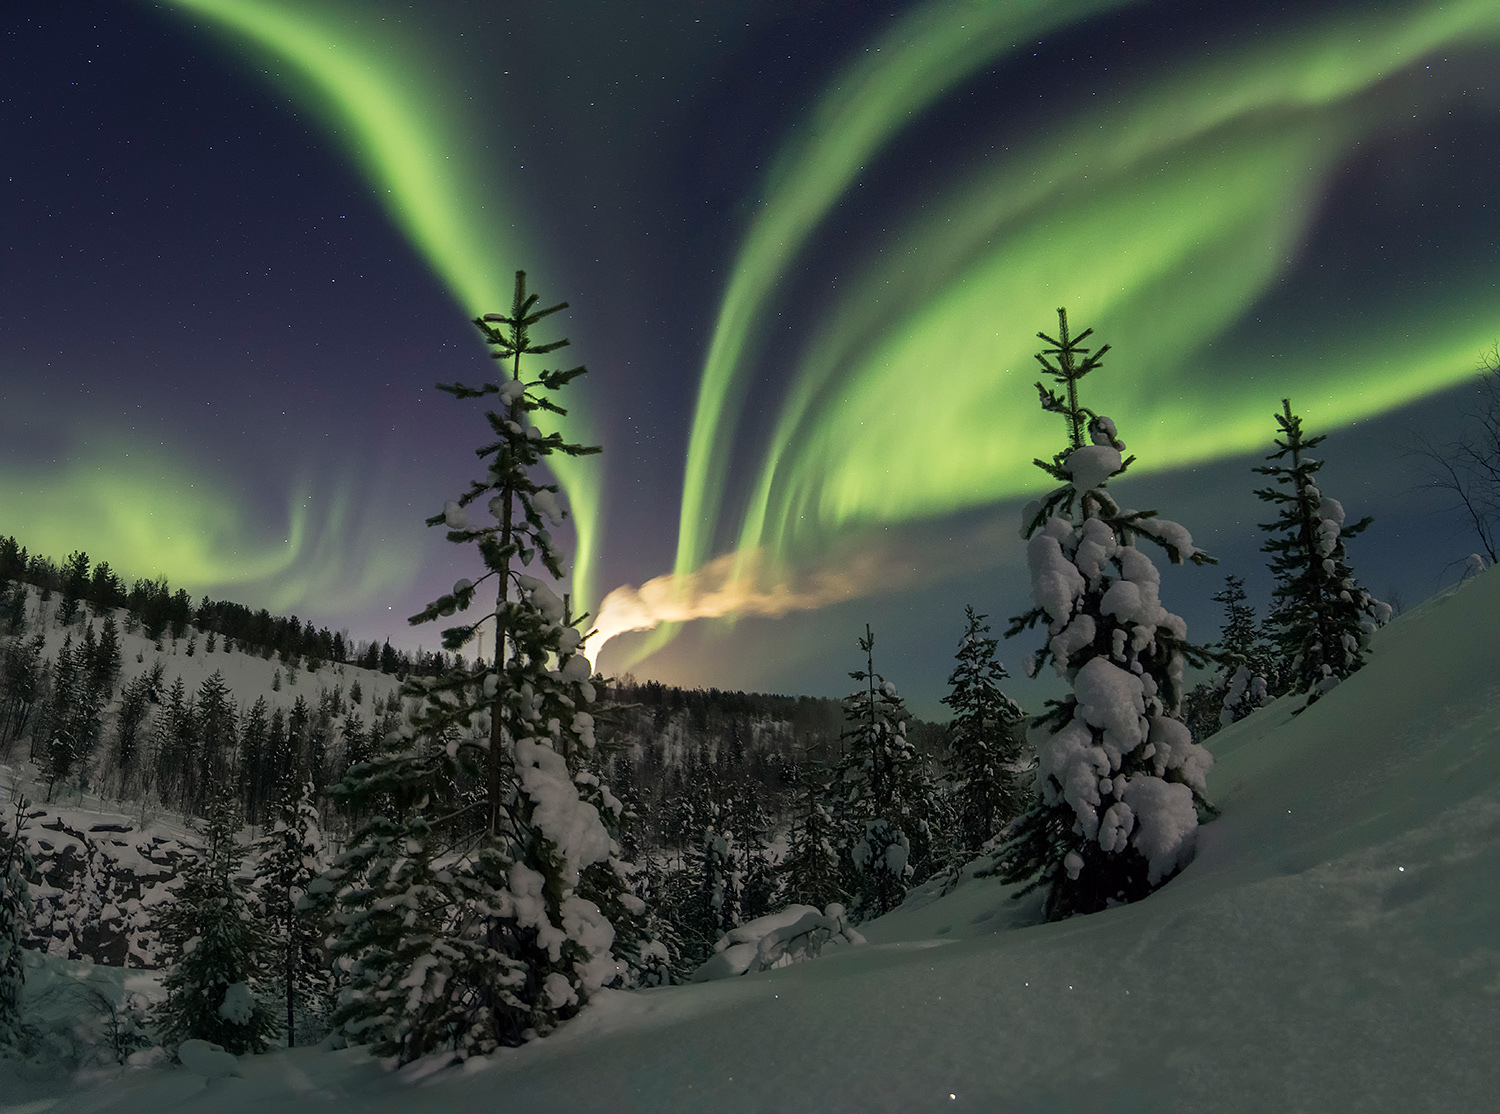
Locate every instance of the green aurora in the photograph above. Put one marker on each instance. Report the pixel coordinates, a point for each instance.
(152, 512)
(416, 144)
(1159, 220)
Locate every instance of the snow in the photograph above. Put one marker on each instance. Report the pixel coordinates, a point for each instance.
(207, 1059)
(1166, 823)
(1055, 581)
(1091, 465)
(573, 825)
(543, 598)
(1112, 699)
(1330, 947)
(456, 517)
(547, 504)
(238, 1004)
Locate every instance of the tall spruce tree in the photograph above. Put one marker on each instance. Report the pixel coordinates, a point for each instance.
(135, 699)
(20, 687)
(469, 909)
(290, 859)
(15, 912)
(986, 740)
(1321, 619)
(884, 796)
(218, 951)
(1119, 781)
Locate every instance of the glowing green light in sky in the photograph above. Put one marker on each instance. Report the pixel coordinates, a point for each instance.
(150, 512)
(1159, 221)
(931, 51)
(417, 148)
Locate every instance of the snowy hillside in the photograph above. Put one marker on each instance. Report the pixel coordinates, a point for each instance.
(1333, 947)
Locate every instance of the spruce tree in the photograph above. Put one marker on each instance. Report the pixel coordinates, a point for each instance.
(217, 724)
(467, 901)
(255, 739)
(71, 720)
(290, 859)
(15, 912)
(811, 871)
(985, 740)
(885, 798)
(135, 698)
(218, 950)
(1248, 679)
(105, 667)
(1321, 619)
(1119, 781)
(20, 687)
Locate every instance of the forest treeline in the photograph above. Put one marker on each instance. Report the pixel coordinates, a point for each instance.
(162, 612)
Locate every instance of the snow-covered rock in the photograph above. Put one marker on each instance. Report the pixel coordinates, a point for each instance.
(207, 1059)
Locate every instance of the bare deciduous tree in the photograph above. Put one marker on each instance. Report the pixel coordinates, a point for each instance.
(1468, 467)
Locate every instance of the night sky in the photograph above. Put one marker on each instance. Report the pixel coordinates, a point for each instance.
(807, 247)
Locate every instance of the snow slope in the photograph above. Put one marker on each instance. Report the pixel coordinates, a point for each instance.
(1335, 946)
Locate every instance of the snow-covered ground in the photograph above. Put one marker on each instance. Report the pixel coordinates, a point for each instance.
(1335, 946)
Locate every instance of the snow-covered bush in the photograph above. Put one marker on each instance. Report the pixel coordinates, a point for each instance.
(792, 935)
(1119, 780)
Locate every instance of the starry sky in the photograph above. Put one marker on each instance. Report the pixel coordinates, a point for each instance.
(807, 245)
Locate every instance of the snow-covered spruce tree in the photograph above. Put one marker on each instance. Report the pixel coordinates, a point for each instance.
(468, 908)
(811, 872)
(1321, 619)
(1247, 680)
(15, 912)
(1119, 781)
(217, 948)
(70, 721)
(20, 687)
(290, 857)
(985, 738)
(884, 796)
